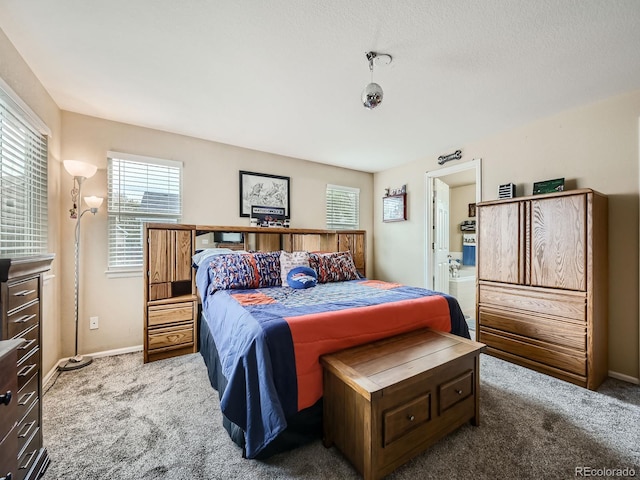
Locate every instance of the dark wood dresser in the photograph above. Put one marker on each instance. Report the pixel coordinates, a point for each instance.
(20, 303)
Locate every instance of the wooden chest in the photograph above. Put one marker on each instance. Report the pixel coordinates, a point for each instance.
(387, 401)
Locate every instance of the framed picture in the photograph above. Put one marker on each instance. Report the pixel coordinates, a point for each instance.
(472, 210)
(264, 190)
(394, 208)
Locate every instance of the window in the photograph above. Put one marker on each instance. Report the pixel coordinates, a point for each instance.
(140, 189)
(23, 178)
(343, 208)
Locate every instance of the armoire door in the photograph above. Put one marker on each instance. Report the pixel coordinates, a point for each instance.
(500, 235)
(559, 242)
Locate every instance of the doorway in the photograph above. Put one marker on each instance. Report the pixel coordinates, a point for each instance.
(449, 217)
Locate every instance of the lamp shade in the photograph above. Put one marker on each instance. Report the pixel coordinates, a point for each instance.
(76, 168)
(93, 202)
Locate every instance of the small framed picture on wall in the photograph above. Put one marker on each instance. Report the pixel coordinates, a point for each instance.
(472, 210)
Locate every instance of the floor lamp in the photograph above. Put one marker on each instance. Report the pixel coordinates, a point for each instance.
(80, 171)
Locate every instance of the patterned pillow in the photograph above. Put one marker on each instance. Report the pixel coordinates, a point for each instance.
(289, 260)
(268, 264)
(244, 270)
(302, 277)
(333, 267)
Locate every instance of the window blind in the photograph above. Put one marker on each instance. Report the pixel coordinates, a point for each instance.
(343, 208)
(23, 183)
(140, 189)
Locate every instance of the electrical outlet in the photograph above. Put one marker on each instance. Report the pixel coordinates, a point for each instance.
(93, 323)
(205, 241)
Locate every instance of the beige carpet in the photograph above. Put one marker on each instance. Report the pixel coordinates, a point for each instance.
(121, 419)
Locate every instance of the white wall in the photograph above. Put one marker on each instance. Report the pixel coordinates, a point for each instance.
(210, 197)
(17, 74)
(595, 146)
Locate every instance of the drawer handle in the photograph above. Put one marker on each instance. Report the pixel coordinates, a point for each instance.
(26, 429)
(459, 392)
(5, 398)
(25, 346)
(8, 476)
(26, 370)
(27, 461)
(23, 293)
(411, 418)
(25, 399)
(24, 318)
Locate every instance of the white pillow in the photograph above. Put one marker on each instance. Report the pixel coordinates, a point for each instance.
(289, 260)
(207, 252)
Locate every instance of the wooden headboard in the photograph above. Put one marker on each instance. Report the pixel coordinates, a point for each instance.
(170, 299)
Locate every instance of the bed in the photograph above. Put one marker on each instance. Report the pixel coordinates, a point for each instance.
(261, 339)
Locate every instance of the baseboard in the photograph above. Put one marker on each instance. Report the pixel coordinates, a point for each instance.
(624, 378)
(107, 353)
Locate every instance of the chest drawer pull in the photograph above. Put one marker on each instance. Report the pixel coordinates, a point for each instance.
(8, 476)
(411, 418)
(26, 370)
(26, 429)
(24, 318)
(25, 346)
(5, 398)
(25, 399)
(459, 392)
(27, 460)
(23, 293)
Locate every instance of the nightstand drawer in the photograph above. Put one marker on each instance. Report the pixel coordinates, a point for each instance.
(456, 390)
(406, 417)
(9, 392)
(173, 313)
(171, 337)
(22, 293)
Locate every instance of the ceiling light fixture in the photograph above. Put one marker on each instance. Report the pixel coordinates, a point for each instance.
(372, 93)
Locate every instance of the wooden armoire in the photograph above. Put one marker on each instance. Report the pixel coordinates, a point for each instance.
(543, 283)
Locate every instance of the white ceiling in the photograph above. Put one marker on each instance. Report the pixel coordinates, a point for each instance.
(286, 76)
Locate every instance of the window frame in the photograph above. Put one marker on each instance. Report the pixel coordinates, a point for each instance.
(24, 147)
(116, 266)
(330, 222)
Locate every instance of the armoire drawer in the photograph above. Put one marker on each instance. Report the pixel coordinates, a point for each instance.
(555, 356)
(568, 305)
(550, 329)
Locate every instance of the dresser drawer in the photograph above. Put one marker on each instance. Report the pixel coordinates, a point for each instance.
(545, 353)
(455, 390)
(173, 313)
(171, 337)
(406, 417)
(28, 455)
(29, 424)
(28, 367)
(21, 293)
(541, 327)
(31, 338)
(26, 397)
(23, 319)
(569, 305)
(9, 392)
(9, 455)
